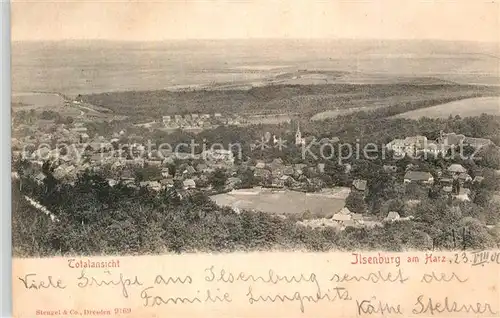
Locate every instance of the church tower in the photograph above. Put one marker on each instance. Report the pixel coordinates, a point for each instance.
(298, 137)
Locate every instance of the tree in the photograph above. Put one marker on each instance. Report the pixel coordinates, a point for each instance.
(456, 186)
(22, 167)
(415, 191)
(355, 202)
(248, 179)
(172, 169)
(64, 120)
(488, 156)
(218, 179)
(48, 115)
(483, 197)
(147, 173)
(475, 235)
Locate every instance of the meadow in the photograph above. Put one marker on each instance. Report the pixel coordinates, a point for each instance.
(33, 101)
(283, 202)
(464, 108)
(37, 100)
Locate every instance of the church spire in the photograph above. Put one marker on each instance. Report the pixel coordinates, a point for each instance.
(298, 136)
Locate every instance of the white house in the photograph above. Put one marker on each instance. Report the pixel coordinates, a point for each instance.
(189, 184)
(219, 155)
(418, 176)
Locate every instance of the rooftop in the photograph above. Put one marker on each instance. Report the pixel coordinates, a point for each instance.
(418, 175)
(359, 184)
(456, 168)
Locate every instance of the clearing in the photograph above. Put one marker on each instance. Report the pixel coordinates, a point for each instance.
(320, 204)
(465, 108)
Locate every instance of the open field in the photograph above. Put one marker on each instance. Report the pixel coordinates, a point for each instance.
(426, 100)
(465, 108)
(269, 119)
(40, 102)
(37, 100)
(323, 204)
(339, 112)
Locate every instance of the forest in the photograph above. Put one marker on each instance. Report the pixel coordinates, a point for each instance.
(95, 219)
(304, 99)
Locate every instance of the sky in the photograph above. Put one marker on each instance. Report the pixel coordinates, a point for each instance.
(126, 20)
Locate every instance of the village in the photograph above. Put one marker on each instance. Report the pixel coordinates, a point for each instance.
(193, 122)
(125, 160)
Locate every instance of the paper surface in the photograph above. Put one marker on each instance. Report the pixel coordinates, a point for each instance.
(277, 284)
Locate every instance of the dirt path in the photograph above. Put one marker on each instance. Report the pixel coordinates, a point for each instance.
(41, 208)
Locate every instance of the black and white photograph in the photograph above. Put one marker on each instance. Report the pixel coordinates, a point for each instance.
(150, 128)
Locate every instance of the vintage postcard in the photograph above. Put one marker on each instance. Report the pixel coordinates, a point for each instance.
(256, 158)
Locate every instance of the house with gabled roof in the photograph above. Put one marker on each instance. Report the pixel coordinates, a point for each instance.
(453, 139)
(341, 217)
(407, 146)
(392, 216)
(288, 170)
(359, 185)
(188, 184)
(167, 182)
(419, 177)
(463, 194)
(260, 165)
(153, 185)
(464, 177)
(477, 142)
(456, 169)
(189, 170)
(478, 179)
(154, 162)
(40, 177)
